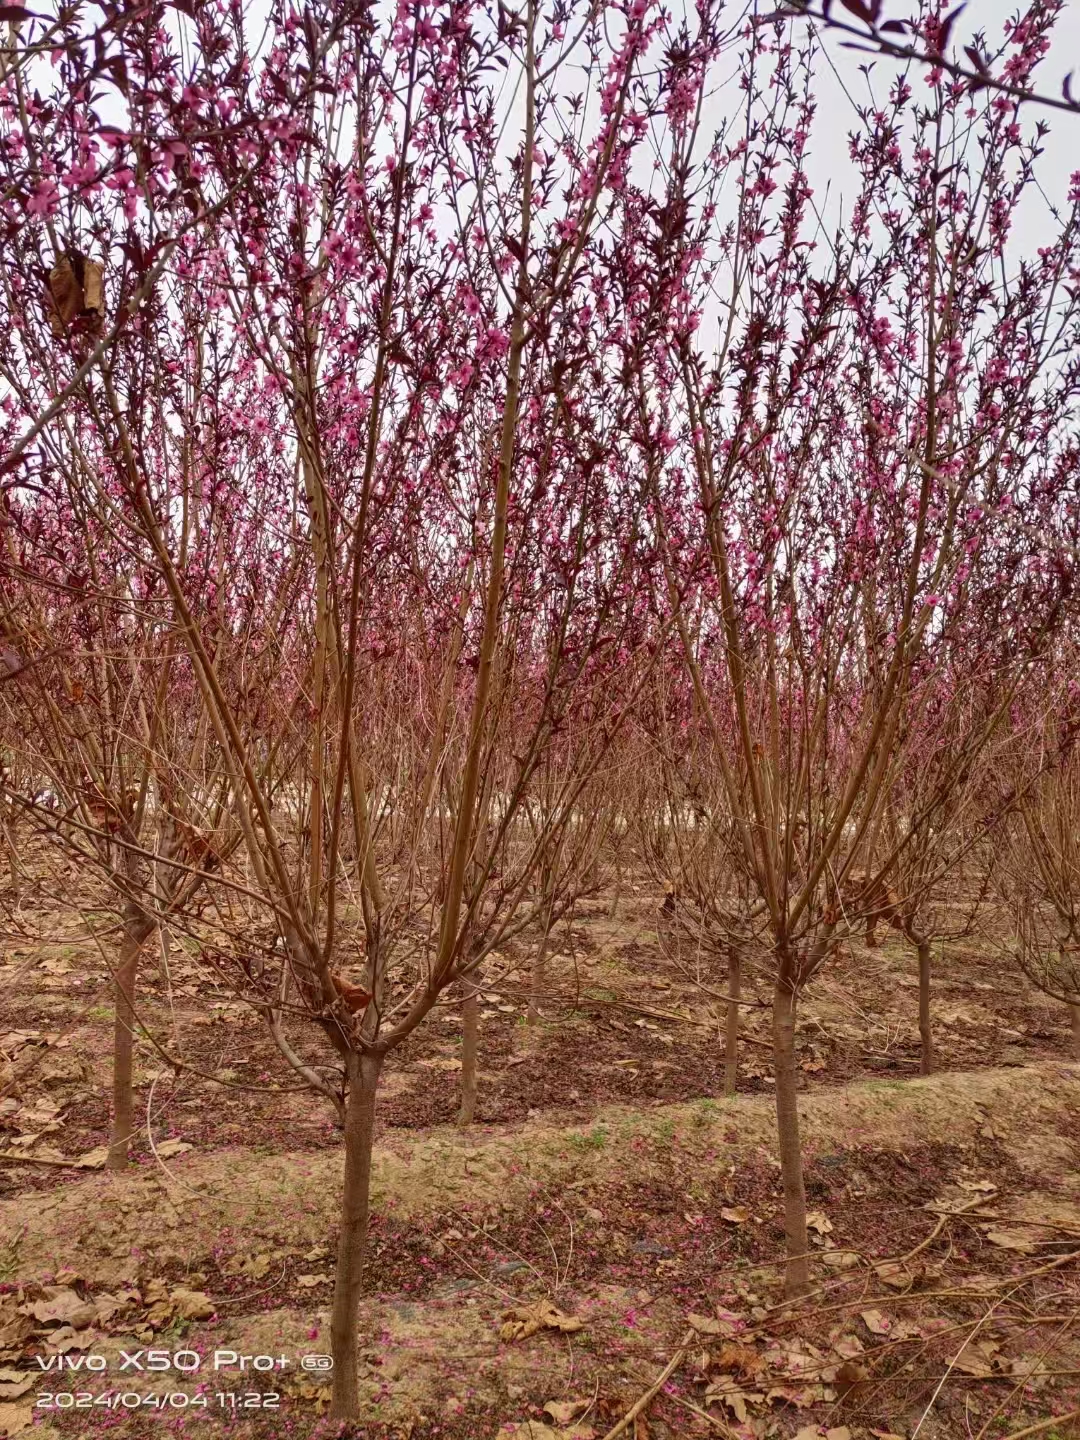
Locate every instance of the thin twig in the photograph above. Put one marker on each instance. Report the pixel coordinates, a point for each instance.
(1043, 1425)
(661, 1380)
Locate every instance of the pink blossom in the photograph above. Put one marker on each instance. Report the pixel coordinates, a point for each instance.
(45, 200)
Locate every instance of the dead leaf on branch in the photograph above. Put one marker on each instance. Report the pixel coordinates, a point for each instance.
(76, 288)
(526, 1320)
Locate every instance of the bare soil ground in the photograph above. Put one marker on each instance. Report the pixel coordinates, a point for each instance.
(606, 1178)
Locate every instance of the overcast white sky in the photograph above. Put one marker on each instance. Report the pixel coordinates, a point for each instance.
(840, 85)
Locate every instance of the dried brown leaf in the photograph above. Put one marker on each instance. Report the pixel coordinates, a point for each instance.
(876, 1322)
(563, 1412)
(526, 1320)
(63, 1305)
(16, 1418)
(1006, 1239)
(66, 294)
(14, 1383)
(93, 287)
(191, 1304)
(168, 1148)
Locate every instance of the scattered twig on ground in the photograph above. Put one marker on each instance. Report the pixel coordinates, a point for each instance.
(645, 1400)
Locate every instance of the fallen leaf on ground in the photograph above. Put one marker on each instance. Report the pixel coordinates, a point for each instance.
(59, 1342)
(93, 1159)
(817, 1220)
(977, 1359)
(563, 1411)
(168, 1148)
(876, 1322)
(739, 1359)
(255, 1266)
(526, 1320)
(308, 1282)
(801, 1396)
(14, 1419)
(737, 1401)
(893, 1274)
(537, 1430)
(14, 1383)
(840, 1259)
(849, 1377)
(106, 1306)
(63, 1305)
(1019, 1240)
(735, 1214)
(191, 1304)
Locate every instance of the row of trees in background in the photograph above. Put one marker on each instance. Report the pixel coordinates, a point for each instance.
(448, 452)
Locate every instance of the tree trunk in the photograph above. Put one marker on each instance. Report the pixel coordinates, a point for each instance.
(614, 908)
(470, 1038)
(797, 1276)
(1074, 1015)
(926, 1053)
(124, 1042)
(731, 1041)
(363, 1078)
(14, 868)
(538, 979)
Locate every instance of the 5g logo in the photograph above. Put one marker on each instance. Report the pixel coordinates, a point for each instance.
(317, 1362)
